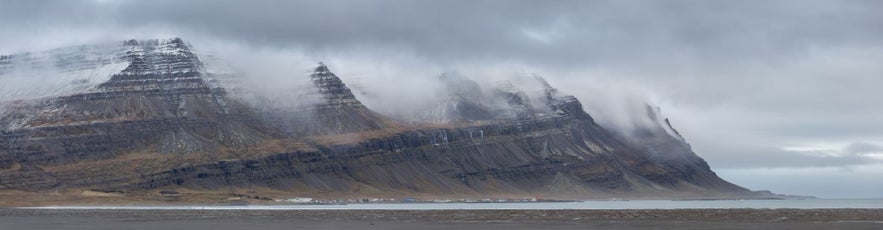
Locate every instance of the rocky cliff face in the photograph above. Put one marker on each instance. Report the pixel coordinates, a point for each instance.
(158, 103)
(338, 110)
(662, 144)
(160, 123)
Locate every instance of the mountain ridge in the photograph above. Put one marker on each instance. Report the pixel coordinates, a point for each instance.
(161, 124)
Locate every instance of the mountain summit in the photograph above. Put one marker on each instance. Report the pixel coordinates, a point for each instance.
(147, 117)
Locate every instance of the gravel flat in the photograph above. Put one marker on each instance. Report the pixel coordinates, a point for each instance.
(444, 219)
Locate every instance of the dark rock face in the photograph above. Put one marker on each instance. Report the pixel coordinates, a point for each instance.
(157, 123)
(339, 111)
(663, 145)
(459, 160)
(335, 111)
(159, 103)
(466, 101)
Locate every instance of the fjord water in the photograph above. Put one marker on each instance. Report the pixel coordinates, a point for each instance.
(584, 205)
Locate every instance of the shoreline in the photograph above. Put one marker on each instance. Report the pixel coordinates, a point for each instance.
(812, 204)
(445, 219)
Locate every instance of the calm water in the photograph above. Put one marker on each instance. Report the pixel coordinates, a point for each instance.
(635, 204)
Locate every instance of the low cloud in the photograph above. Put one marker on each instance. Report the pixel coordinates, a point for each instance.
(743, 81)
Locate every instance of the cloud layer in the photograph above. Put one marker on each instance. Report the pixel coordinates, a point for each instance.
(754, 86)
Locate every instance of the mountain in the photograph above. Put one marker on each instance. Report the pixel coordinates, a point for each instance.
(337, 110)
(147, 115)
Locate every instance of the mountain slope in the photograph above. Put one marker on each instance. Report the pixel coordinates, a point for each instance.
(159, 123)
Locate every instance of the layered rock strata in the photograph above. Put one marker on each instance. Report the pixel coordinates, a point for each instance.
(159, 123)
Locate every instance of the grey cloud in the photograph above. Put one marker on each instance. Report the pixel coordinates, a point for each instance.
(590, 32)
(762, 157)
(863, 148)
(739, 79)
(824, 182)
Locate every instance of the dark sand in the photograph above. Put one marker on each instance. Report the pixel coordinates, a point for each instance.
(443, 219)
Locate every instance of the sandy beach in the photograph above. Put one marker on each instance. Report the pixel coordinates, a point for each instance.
(443, 219)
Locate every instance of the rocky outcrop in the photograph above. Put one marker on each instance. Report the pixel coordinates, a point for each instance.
(158, 124)
(463, 101)
(331, 109)
(338, 110)
(158, 103)
(564, 157)
(660, 143)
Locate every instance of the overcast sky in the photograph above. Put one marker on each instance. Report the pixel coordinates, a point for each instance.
(777, 95)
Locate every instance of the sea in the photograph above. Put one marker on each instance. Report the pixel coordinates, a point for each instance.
(578, 205)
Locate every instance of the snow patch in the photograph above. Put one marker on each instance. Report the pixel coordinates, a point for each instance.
(32, 83)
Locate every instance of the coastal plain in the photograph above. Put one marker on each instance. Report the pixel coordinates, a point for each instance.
(17, 218)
